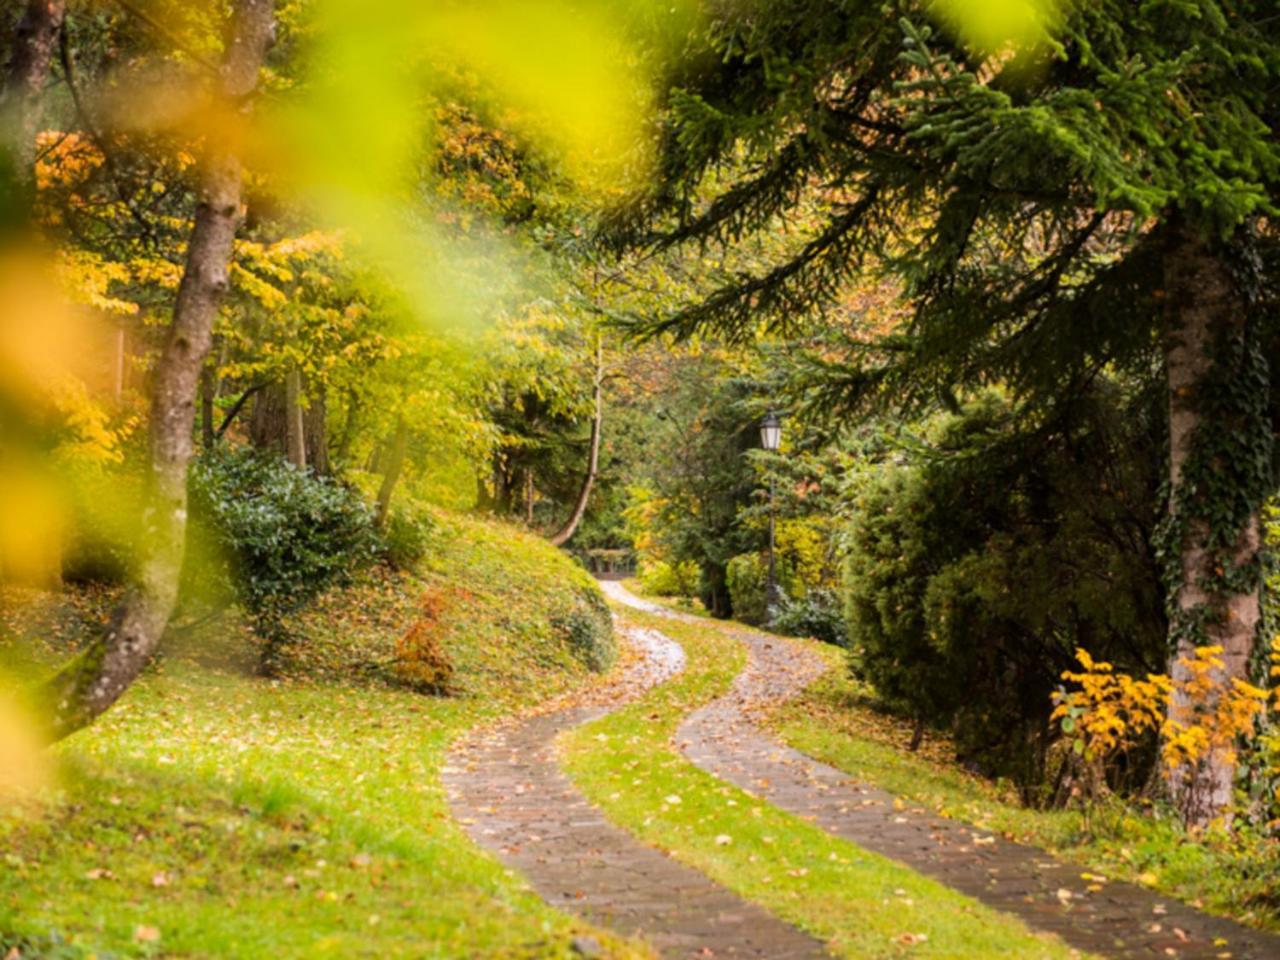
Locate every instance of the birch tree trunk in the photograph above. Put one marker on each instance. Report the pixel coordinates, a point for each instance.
(89, 685)
(1218, 595)
(561, 536)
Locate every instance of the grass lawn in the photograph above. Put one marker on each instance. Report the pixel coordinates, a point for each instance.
(213, 813)
(836, 722)
(864, 905)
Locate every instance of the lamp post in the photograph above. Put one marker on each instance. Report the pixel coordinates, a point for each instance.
(771, 439)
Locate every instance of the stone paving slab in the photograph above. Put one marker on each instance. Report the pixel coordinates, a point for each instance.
(1115, 919)
(506, 788)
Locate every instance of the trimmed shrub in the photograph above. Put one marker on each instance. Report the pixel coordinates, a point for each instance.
(979, 564)
(817, 614)
(587, 628)
(285, 535)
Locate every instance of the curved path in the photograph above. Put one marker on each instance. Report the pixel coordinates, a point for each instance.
(506, 788)
(1108, 918)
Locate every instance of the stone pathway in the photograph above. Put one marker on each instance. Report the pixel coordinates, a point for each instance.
(1108, 918)
(506, 788)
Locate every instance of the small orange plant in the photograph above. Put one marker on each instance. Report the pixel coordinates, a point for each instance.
(421, 661)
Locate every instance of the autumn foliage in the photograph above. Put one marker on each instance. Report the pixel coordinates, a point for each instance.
(421, 661)
(1199, 720)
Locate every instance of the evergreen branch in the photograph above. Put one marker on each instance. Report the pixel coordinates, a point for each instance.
(786, 293)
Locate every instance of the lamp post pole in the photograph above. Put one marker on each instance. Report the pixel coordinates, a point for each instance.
(771, 588)
(771, 440)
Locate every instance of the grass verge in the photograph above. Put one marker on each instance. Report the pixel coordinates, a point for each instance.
(863, 905)
(213, 813)
(835, 721)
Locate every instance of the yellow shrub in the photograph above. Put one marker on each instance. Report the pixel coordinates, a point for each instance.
(1196, 718)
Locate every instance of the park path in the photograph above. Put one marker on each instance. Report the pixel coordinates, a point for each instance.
(506, 788)
(1107, 918)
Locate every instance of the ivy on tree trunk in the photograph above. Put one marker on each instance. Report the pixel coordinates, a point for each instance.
(1219, 474)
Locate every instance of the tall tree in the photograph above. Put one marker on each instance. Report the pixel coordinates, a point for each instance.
(92, 683)
(1047, 208)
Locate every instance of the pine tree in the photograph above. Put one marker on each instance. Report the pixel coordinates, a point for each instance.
(1101, 200)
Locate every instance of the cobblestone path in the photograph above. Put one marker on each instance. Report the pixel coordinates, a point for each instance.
(506, 788)
(1107, 918)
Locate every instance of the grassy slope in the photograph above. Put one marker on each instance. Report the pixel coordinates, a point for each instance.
(232, 816)
(835, 722)
(864, 905)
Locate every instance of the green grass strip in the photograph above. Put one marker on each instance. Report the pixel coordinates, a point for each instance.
(862, 904)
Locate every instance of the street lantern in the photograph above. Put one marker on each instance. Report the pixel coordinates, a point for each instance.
(771, 432)
(771, 440)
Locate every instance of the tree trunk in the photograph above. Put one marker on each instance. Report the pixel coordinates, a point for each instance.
(236, 407)
(484, 499)
(26, 75)
(917, 735)
(395, 465)
(348, 429)
(561, 536)
(207, 433)
(268, 426)
(90, 684)
(295, 431)
(1219, 461)
(280, 423)
(315, 430)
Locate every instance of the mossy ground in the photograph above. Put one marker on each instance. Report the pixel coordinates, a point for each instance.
(214, 813)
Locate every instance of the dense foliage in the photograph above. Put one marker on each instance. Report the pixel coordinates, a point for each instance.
(285, 534)
(989, 552)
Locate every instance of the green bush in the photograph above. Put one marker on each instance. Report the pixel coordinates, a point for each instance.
(977, 565)
(817, 614)
(285, 535)
(661, 579)
(747, 576)
(587, 629)
(405, 537)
